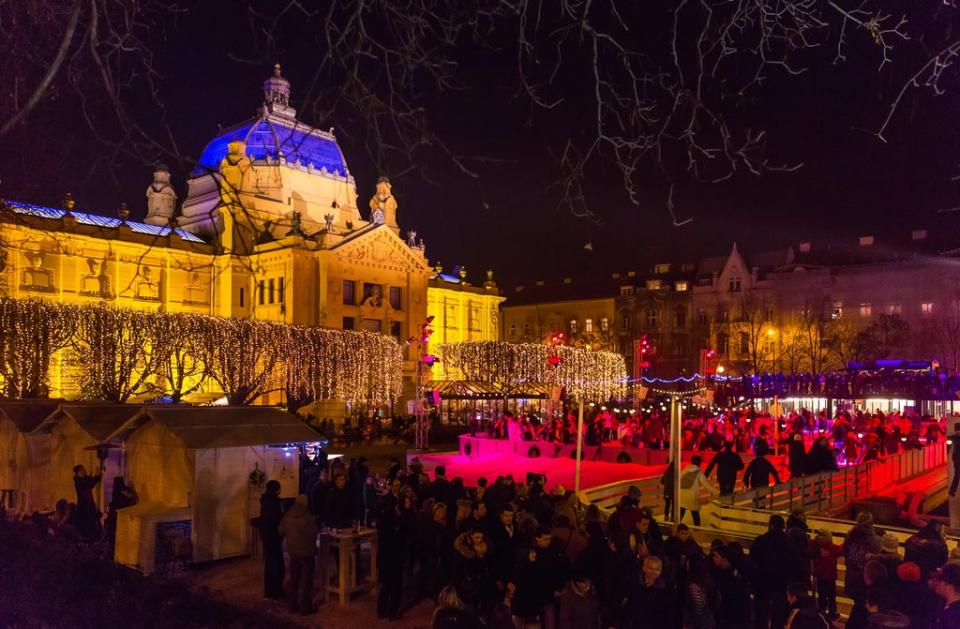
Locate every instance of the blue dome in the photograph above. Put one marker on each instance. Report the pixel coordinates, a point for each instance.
(267, 137)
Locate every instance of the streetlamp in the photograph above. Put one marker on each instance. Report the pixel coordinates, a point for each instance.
(771, 334)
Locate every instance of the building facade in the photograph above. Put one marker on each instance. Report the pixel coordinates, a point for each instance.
(270, 229)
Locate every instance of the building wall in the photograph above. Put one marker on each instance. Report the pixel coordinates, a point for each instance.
(582, 321)
(461, 313)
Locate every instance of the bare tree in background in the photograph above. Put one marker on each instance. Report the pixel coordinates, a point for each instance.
(664, 88)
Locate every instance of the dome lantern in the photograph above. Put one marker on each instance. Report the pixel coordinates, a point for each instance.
(276, 95)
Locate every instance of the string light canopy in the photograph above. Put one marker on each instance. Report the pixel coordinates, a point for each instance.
(122, 353)
(592, 374)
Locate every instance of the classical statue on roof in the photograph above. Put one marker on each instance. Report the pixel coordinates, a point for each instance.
(383, 205)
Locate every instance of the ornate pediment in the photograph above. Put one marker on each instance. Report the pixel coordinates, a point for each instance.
(381, 246)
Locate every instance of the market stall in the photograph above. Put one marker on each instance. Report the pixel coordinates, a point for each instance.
(24, 457)
(207, 464)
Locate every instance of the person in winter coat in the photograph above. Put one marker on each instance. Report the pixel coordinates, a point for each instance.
(859, 542)
(759, 471)
(820, 458)
(803, 613)
(692, 482)
(619, 581)
(473, 577)
(774, 554)
(825, 554)
(435, 543)
(579, 607)
(338, 505)
(667, 481)
(269, 522)
(796, 453)
(916, 600)
(927, 548)
(733, 589)
(450, 613)
(391, 551)
(728, 463)
(299, 528)
(653, 601)
(541, 574)
(505, 538)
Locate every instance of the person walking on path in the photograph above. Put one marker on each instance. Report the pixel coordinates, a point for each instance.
(270, 514)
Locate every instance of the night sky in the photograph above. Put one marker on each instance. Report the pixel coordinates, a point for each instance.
(508, 218)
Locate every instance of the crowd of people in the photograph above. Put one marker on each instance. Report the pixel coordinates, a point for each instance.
(504, 553)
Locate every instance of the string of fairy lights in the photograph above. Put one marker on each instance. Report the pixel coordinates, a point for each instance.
(591, 374)
(121, 353)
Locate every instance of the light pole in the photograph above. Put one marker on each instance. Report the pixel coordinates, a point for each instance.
(424, 360)
(771, 334)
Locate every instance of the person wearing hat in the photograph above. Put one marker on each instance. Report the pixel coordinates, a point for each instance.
(914, 597)
(825, 554)
(946, 584)
(927, 547)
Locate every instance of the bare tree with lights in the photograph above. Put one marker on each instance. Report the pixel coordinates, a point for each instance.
(173, 338)
(32, 331)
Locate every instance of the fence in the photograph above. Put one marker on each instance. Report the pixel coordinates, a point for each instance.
(831, 490)
(815, 493)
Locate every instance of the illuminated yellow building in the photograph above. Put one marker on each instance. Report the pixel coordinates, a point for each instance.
(461, 312)
(270, 229)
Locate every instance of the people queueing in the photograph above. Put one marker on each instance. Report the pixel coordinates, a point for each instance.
(271, 512)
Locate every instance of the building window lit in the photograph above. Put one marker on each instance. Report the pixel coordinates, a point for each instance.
(513, 330)
(866, 310)
(661, 269)
(626, 291)
(837, 311)
(654, 284)
(652, 318)
(744, 343)
(588, 325)
(604, 324)
(396, 298)
(573, 326)
(893, 309)
(281, 289)
(349, 294)
(681, 287)
(270, 284)
(926, 309)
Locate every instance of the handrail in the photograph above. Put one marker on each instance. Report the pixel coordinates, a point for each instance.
(831, 490)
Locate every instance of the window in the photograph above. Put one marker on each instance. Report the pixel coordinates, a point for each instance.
(349, 294)
(660, 269)
(705, 280)
(395, 330)
(654, 284)
(679, 317)
(744, 343)
(348, 323)
(893, 309)
(682, 286)
(241, 297)
(926, 309)
(588, 325)
(652, 318)
(474, 322)
(722, 314)
(625, 320)
(703, 318)
(280, 290)
(734, 285)
(866, 310)
(604, 324)
(723, 343)
(573, 326)
(679, 347)
(767, 312)
(837, 311)
(513, 330)
(526, 330)
(626, 291)
(396, 298)
(261, 292)
(270, 289)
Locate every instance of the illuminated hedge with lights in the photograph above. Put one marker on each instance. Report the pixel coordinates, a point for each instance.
(593, 374)
(123, 353)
